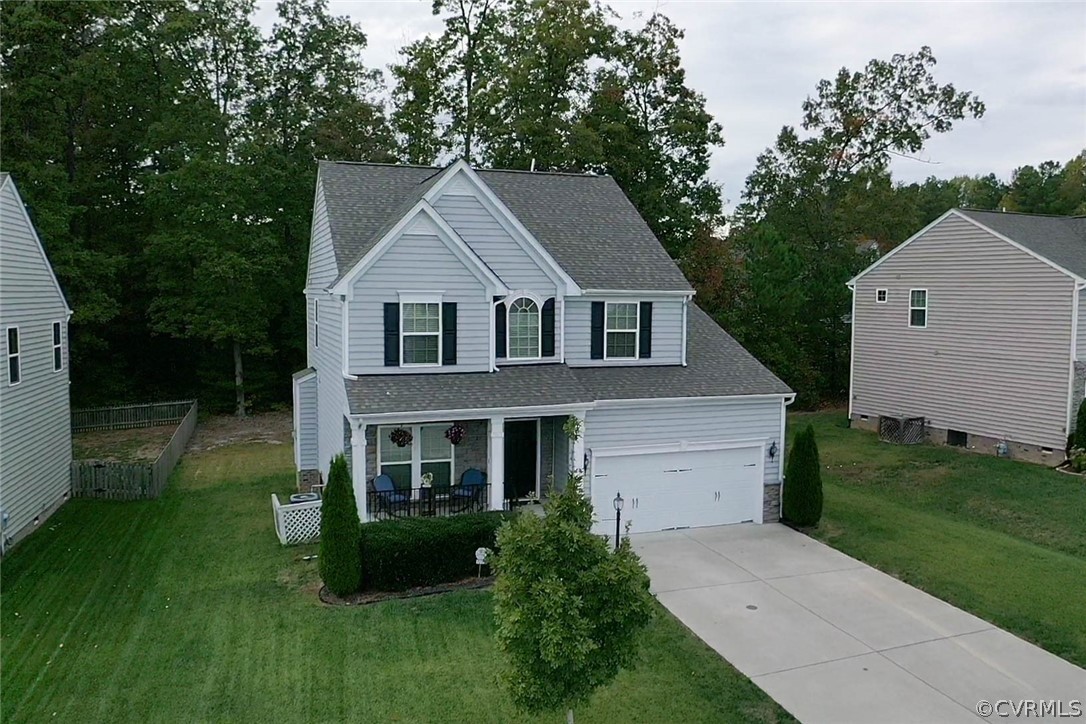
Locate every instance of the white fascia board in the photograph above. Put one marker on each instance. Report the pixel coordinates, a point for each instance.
(37, 240)
(706, 400)
(419, 416)
(965, 217)
(640, 293)
(446, 233)
(508, 221)
(681, 446)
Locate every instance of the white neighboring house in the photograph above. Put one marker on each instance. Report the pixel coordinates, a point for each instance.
(459, 318)
(35, 418)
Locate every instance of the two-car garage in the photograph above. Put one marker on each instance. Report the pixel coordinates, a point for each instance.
(678, 486)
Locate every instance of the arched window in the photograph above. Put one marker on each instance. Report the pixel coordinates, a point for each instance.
(523, 330)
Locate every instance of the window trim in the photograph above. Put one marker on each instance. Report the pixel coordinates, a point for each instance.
(18, 355)
(539, 325)
(885, 294)
(416, 462)
(912, 307)
(316, 324)
(636, 330)
(58, 346)
(434, 298)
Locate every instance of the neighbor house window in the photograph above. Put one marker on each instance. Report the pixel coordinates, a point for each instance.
(428, 452)
(316, 323)
(621, 328)
(880, 296)
(918, 307)
(58, 348)
(421, 333)
(523, 329)
(15, 370)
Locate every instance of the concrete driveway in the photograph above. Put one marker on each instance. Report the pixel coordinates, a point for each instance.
(834, 640)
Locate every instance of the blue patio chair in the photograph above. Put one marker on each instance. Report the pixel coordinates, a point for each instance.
(471, 489)
(388, 497)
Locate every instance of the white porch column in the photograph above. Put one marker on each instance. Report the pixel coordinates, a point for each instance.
(496, 462)
(358, 465)
(577, 451)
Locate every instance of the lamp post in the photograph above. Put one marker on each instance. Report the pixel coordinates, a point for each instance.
(617, 502)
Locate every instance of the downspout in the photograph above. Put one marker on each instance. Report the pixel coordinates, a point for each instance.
(851, 351)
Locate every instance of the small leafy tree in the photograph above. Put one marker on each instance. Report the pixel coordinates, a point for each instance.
(340, 560)
(569, 609)
(1079, 440)
(802, 495)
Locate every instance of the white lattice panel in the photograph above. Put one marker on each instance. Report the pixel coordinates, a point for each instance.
(297, 522)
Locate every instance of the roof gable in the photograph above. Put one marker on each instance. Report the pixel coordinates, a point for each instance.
(22, 218)
(583, 222)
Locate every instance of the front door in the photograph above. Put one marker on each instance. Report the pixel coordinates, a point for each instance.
(521, 444)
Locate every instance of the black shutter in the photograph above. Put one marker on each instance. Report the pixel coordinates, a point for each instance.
(644, 348)
(448, 333)
(547, 323)
(392, 334)
(597, 330)
(499, 329)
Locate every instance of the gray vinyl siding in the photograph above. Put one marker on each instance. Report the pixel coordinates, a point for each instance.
(735, 419)
(306, 423)
(35, 417)
(322, 260)
(1080, 333)
(994, 359)
(487, 238)
(418, 263)
(331, 393)
(667, 333)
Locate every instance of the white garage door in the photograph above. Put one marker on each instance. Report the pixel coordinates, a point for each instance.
(679, 489)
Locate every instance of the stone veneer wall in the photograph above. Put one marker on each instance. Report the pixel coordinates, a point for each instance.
(771, 503)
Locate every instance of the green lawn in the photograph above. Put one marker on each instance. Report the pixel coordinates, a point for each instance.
(1002, 539)
(186, 609)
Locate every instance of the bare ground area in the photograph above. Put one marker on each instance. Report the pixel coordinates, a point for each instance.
(141, 444)
(272, 428)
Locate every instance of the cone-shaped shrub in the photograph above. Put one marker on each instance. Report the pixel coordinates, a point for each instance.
(340, 563)
(1080, 426)
(801, 501)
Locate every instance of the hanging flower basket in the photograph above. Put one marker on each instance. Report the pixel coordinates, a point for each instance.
(400, 437)
(455, 433)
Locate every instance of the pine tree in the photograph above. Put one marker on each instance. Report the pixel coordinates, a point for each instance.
(340, 559)
(802, 494)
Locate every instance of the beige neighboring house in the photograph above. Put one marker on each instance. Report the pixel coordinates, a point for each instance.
(975, 324)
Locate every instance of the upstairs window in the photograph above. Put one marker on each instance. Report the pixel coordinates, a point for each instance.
(918, 308)
(15, 370)
(621, 330)
(58, 349)
(420, 326)
(524, 329)
(316, 324)
(880, 296)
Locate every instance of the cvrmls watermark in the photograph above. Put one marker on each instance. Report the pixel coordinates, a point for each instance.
(1030, 708)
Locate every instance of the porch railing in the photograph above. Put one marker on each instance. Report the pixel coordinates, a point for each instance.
(428, 502)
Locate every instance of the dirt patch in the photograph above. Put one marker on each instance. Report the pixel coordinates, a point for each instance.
(368, 597)
(272, 428)
(141, 444)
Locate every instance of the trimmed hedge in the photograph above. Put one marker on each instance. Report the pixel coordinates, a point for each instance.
(412, 552)
(338, 560)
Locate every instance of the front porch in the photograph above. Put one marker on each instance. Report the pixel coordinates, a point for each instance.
(425, 468)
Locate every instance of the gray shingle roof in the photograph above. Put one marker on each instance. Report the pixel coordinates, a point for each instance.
(717, 365)
(584, 221)
(1060, 239)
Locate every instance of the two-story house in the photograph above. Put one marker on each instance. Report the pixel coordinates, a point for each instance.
(463, 320)
(975, 325)
(35, 421)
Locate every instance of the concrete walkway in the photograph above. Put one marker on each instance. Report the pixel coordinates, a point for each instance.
(834, 640)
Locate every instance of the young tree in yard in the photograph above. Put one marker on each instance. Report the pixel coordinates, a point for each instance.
(801, 502)
(569, 609)
(340, 560)
(1079, 435)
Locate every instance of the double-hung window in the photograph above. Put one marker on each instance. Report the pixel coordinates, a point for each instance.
(523, 329)
(58, 348)
(428, 452)
(420, 332)
(621, 330)
(918, 308)
(15, 369)
(880, 296)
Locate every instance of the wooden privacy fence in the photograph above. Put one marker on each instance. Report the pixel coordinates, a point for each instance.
(126, 417)
(133, 481)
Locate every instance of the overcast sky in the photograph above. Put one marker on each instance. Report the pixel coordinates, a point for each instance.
(755, 62)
